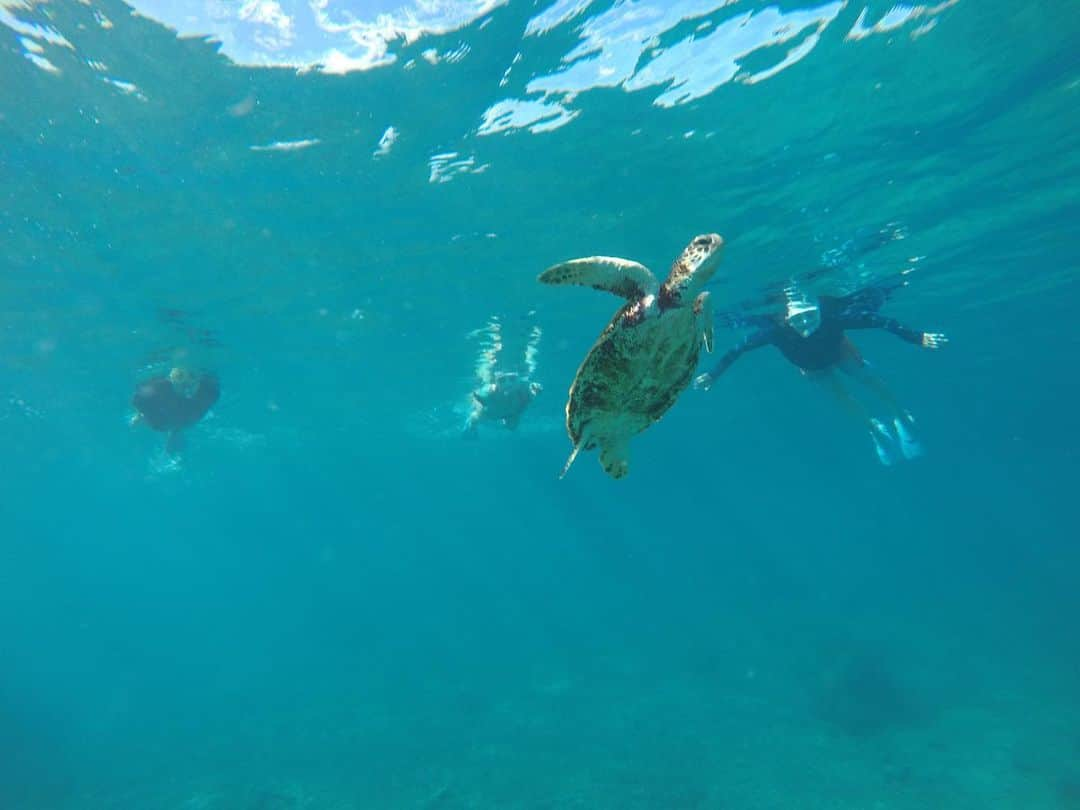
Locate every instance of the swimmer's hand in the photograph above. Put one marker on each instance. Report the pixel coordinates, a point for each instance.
(933, 340)
(703, 382)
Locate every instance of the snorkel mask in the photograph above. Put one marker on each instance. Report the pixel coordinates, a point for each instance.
(803, 313)
(183, 381)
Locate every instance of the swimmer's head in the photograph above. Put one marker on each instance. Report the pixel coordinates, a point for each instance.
(183, 381)
(803, 312)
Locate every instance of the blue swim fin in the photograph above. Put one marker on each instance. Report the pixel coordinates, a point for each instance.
(909, 445)
(884, 443)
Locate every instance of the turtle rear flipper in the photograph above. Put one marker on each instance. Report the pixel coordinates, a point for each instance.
(615, 457)
(622, 277)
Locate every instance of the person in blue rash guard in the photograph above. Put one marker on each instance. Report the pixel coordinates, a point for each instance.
(811, 334)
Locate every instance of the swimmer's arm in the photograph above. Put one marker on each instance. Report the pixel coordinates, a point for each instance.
(872, 320)
(752, 341)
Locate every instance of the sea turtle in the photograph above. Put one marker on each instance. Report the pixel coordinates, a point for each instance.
(646, 356)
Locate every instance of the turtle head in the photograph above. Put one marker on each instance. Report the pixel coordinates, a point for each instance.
(694, 267)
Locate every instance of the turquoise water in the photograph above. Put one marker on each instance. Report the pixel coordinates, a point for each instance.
(331, 600)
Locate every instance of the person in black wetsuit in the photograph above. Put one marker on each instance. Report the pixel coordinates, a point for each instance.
(170, 404)
(811, 335)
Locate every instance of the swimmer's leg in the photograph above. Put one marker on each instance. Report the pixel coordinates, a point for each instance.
(175, 443)
(476, 412)
(490, 346)
(860, 371)
(532, 348)
(827, 380)
(470, 430)
(883, 440)
(495, 344)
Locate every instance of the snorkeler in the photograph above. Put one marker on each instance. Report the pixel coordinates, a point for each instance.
(810, 334)
(170, 404)
(501, 397)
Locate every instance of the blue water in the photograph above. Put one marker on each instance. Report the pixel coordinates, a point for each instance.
(330, 600)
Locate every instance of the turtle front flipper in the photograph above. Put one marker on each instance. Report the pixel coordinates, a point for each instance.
(622, 277)
(703, 314)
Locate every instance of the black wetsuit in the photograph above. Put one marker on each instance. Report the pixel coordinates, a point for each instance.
(828, 345)
(163, 408)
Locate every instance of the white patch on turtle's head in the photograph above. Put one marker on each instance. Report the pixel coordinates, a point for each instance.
(694, 267)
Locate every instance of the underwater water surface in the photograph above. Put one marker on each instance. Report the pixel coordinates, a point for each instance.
(332, 599)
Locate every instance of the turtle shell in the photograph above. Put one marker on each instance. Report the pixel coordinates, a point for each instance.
(633, 374)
